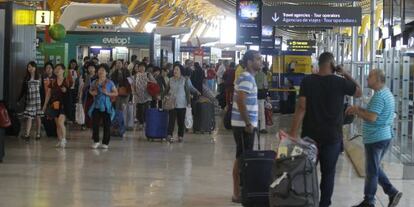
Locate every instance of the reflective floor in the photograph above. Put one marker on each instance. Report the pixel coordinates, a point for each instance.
(135, 172)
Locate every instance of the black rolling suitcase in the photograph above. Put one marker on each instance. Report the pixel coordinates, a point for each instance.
(204, 119)
(256, 176)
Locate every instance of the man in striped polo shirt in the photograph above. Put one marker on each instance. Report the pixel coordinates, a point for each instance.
(377, 134)
(244, 117)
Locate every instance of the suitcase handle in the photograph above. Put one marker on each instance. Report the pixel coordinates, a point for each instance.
(255, 131)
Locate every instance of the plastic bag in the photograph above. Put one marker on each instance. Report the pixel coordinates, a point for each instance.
(188, 118)
(80, 114)
(289, 147)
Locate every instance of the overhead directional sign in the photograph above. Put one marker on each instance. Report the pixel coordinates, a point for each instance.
(312, 16)
(301, 45)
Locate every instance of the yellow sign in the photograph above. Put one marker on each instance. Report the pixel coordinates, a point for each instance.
(24, 17)
(44, 17)
(301, 63)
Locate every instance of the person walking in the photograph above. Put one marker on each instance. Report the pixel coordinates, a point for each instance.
(228, 78)
(120, 78)
(180, 88)
(377, 135)
(56, 103)
(262, 87)
(85, 96)
(244, 118)
(101, 110)
(320, 109)
(73, 77)
(31, 91)
(142, 98)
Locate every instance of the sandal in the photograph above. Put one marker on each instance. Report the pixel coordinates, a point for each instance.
(26, 138)
(235, 200)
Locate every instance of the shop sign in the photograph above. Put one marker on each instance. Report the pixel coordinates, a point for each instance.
(116, 40)
(199, 52)
(44, 17)
(311, 16)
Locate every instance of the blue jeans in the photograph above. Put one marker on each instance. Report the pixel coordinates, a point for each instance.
(328, 157)
(374, 153)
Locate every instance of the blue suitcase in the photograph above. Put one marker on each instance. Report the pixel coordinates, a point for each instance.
(156, 126)
(118, 125)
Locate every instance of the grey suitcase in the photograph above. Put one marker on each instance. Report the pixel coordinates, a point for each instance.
(204, 118)
(294, 183)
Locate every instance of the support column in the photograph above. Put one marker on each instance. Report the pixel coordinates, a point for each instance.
(372, 35)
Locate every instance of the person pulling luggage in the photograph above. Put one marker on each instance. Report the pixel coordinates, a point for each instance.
(244, 118)
(180, 88)
(320, 110)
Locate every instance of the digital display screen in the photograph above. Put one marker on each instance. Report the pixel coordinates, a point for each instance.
(249, 10)
(267, 31)
(249, 17)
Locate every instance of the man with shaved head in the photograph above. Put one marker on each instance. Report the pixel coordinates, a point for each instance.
(377, 134)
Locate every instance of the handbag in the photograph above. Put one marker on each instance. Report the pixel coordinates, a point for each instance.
(124, 91)
(5, 121)
(80, 114)
(188, 118)
(169, 102)
(55, 105)
(153, 89)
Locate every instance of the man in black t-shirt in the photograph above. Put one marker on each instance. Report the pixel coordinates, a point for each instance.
(320, 110)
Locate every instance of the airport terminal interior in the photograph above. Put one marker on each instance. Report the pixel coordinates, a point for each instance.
(196, 103)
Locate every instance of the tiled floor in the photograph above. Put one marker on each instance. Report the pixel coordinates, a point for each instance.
(135, 172)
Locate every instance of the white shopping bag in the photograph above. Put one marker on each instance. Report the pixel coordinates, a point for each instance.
(188, 118)
(80, 114)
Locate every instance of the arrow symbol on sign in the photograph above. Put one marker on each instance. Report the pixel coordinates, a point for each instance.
(275, 17)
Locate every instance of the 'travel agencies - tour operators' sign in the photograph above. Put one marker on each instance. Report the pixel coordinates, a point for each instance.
(322, 16)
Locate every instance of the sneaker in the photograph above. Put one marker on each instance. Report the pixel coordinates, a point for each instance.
(38, 137)
(170, 139)
(180, 139)
(364, 204)
(395, 199)
(95, 145)
(63, 143)
(104, 146)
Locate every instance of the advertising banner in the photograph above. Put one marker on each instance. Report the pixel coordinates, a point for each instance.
(249, 16)
(311, 16)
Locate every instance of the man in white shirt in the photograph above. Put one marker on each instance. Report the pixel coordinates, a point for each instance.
(221, 70)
